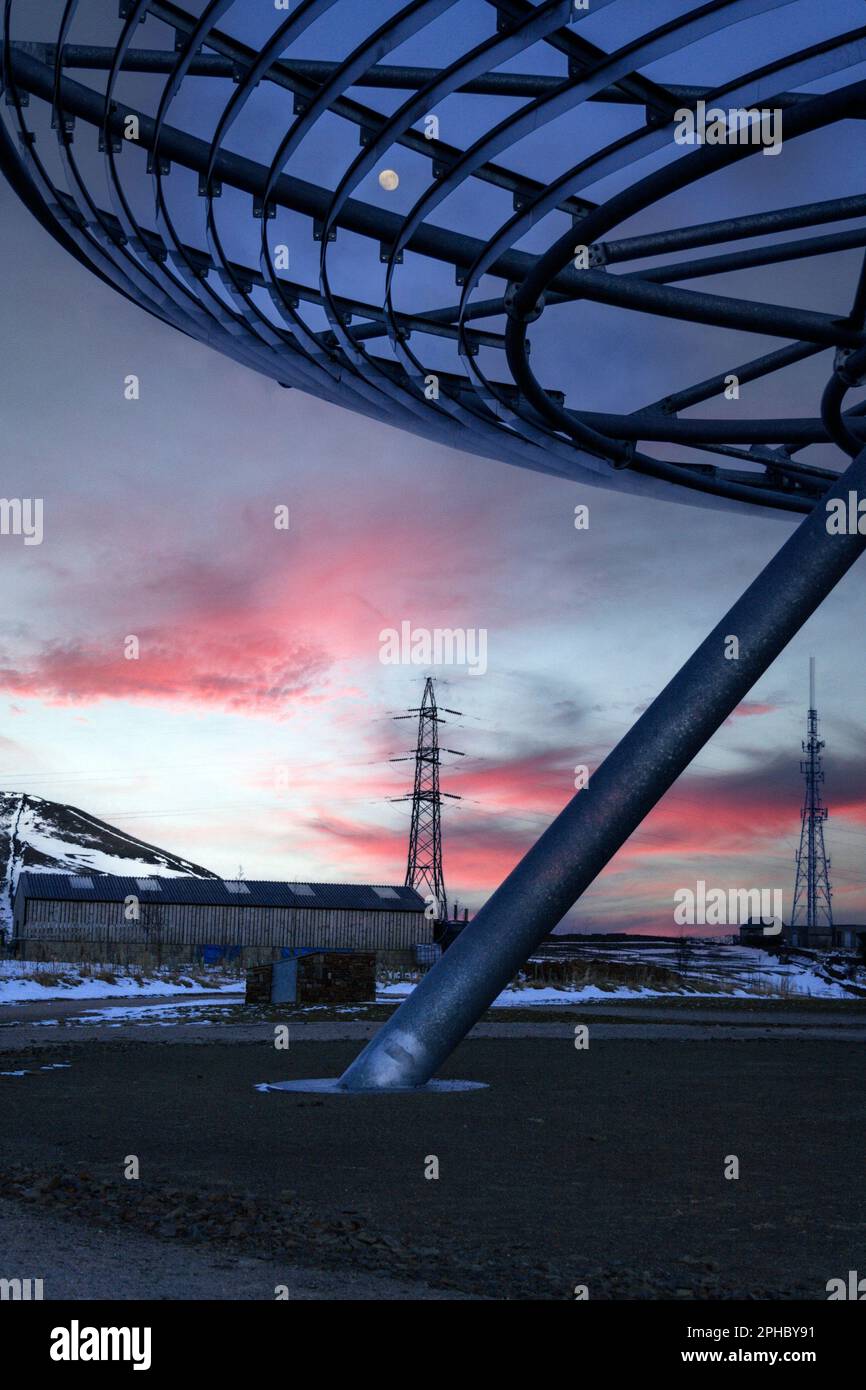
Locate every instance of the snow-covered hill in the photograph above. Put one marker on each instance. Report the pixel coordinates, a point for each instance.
(45, 835)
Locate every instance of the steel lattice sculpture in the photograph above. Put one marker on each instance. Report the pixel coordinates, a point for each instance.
(459, 371)
(250, 196)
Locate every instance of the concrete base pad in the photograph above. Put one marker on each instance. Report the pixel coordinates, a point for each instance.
(330, 1085)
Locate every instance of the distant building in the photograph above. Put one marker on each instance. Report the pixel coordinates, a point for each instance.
(826, 938)
(104, 917)
(760, 931)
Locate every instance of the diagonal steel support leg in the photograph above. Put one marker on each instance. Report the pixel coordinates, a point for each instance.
(414, 1043)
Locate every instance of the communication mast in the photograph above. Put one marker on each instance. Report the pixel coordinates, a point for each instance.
(812, 912)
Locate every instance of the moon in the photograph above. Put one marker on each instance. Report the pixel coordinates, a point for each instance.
(389, 180)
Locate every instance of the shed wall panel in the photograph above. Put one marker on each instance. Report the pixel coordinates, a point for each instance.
(194, 925)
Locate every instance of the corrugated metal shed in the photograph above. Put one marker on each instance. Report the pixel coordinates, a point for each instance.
(216, 892)
(173, 918)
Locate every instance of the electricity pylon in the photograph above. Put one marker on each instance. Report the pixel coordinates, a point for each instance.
(424, 866)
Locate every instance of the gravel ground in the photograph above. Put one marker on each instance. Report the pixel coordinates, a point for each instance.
(602, 1167)
(29, 1025)
(94, 1261)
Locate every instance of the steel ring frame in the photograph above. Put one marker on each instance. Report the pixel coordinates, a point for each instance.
(203, 292)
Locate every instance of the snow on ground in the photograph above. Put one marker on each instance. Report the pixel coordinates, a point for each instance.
(31, 1071)
(550, 995)
(752, 974)
(173, 1011)
(800, 977)
(804, 983)
(158, 1015)
(765, 979)
(20, 983)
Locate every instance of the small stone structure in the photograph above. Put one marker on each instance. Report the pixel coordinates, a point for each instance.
(319, 977)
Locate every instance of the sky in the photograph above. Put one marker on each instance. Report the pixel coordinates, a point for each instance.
(255, 730)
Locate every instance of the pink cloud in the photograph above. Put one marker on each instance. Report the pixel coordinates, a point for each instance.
(269, 622)
(257, 672)
(749, 708)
